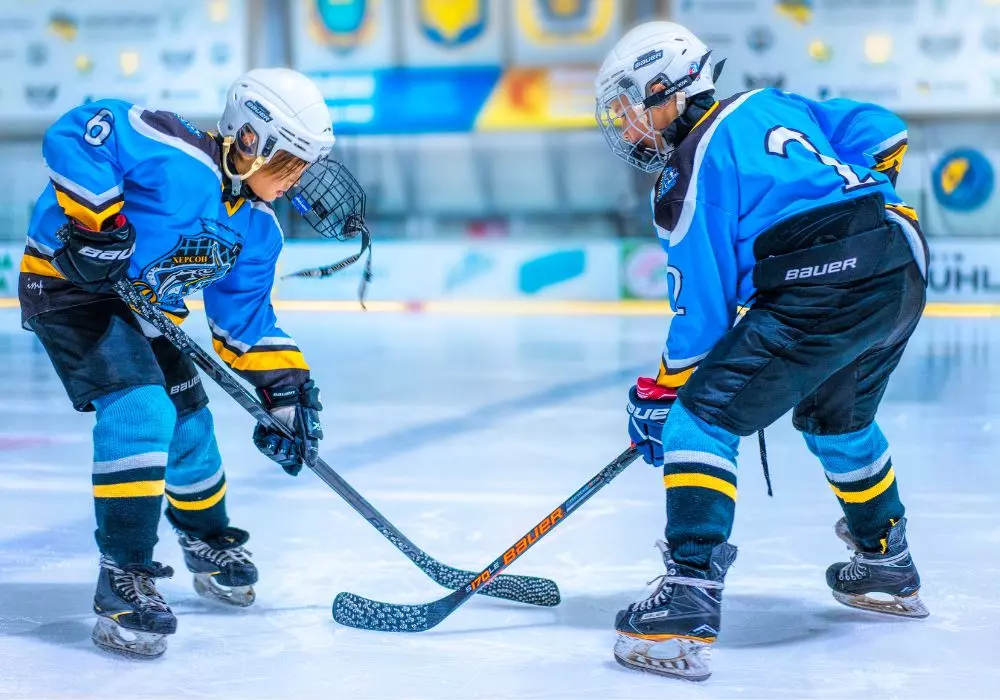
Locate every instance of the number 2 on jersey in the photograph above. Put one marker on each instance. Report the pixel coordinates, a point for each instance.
(779, 137)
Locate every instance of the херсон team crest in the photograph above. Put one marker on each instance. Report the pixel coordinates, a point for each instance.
(194, 264)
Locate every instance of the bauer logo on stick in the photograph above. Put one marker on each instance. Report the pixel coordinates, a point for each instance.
(540, 529)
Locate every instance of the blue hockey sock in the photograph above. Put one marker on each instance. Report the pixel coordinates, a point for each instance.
(196, 482)
(859, 470)
(131, 439)
(699, 473)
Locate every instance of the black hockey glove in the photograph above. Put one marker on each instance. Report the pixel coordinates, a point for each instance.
(95, 260)
(298, 408)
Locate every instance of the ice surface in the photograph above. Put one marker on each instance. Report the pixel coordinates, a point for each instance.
(465, 431)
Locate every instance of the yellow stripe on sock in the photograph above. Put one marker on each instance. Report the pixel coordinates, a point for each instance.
(869, 493)
(673, 481)
(203, 504)
(132, 489)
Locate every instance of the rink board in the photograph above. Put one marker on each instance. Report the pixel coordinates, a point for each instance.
(567, 276)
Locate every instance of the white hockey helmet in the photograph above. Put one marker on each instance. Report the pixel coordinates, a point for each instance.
(270, 110)
(652, 54)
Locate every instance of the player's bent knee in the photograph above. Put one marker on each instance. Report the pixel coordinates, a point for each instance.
(849, 451)
(196, 428)
(843, 422)
(137, 420)
(686, 431)
(194, 452)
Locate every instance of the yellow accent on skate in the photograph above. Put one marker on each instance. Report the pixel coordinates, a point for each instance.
(884, 542)
(667, 637)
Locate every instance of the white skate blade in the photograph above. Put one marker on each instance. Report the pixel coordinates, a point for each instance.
(206, 586)
(676, 658)
(111, 636)
(901, 606)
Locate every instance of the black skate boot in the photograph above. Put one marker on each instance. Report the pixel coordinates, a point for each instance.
(221, 566)
(890, 575)
(670, 632)
(133, 620)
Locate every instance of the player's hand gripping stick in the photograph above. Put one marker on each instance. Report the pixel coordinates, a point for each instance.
(648, 406)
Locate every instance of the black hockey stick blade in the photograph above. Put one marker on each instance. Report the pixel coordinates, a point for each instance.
(357, 611)
(521, 589)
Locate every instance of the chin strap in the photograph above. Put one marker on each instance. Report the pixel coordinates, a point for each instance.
(236, 179)
(327, 270)
(690, 110)
(681, 102)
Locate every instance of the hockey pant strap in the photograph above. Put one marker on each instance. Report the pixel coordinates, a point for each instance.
(850, 259)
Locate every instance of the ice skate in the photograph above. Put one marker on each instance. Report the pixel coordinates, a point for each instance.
(670, 633)
(221, 566)
(885, 582)
(133, 619)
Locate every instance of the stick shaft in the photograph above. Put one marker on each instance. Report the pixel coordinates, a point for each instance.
(525, 589)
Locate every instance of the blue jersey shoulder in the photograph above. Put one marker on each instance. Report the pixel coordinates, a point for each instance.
(783, 160)
(753, 161)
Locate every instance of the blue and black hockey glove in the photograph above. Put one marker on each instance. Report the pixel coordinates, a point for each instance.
(95, 260)
(648, 406)
(298, 408)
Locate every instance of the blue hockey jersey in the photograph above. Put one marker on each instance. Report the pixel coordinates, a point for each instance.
(752, 161)
(164, 175)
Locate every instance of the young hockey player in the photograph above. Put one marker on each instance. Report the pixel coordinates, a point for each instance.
(787, 207)
(145, 196)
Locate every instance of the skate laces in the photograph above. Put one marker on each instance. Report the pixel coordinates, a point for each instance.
(236, 554)
(135, 582)
(665, 583)
(857, 568)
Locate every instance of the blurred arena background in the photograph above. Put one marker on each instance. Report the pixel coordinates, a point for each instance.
(470, 122)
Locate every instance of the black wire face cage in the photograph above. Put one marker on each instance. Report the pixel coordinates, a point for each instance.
(330, 199)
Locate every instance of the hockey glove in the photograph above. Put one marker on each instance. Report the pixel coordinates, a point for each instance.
(95, 260)
(298, 408)
(648, 405)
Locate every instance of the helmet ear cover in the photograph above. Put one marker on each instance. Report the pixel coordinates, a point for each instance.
(246, 140)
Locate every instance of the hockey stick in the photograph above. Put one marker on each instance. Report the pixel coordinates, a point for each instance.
(356, 611)
(522, 589)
